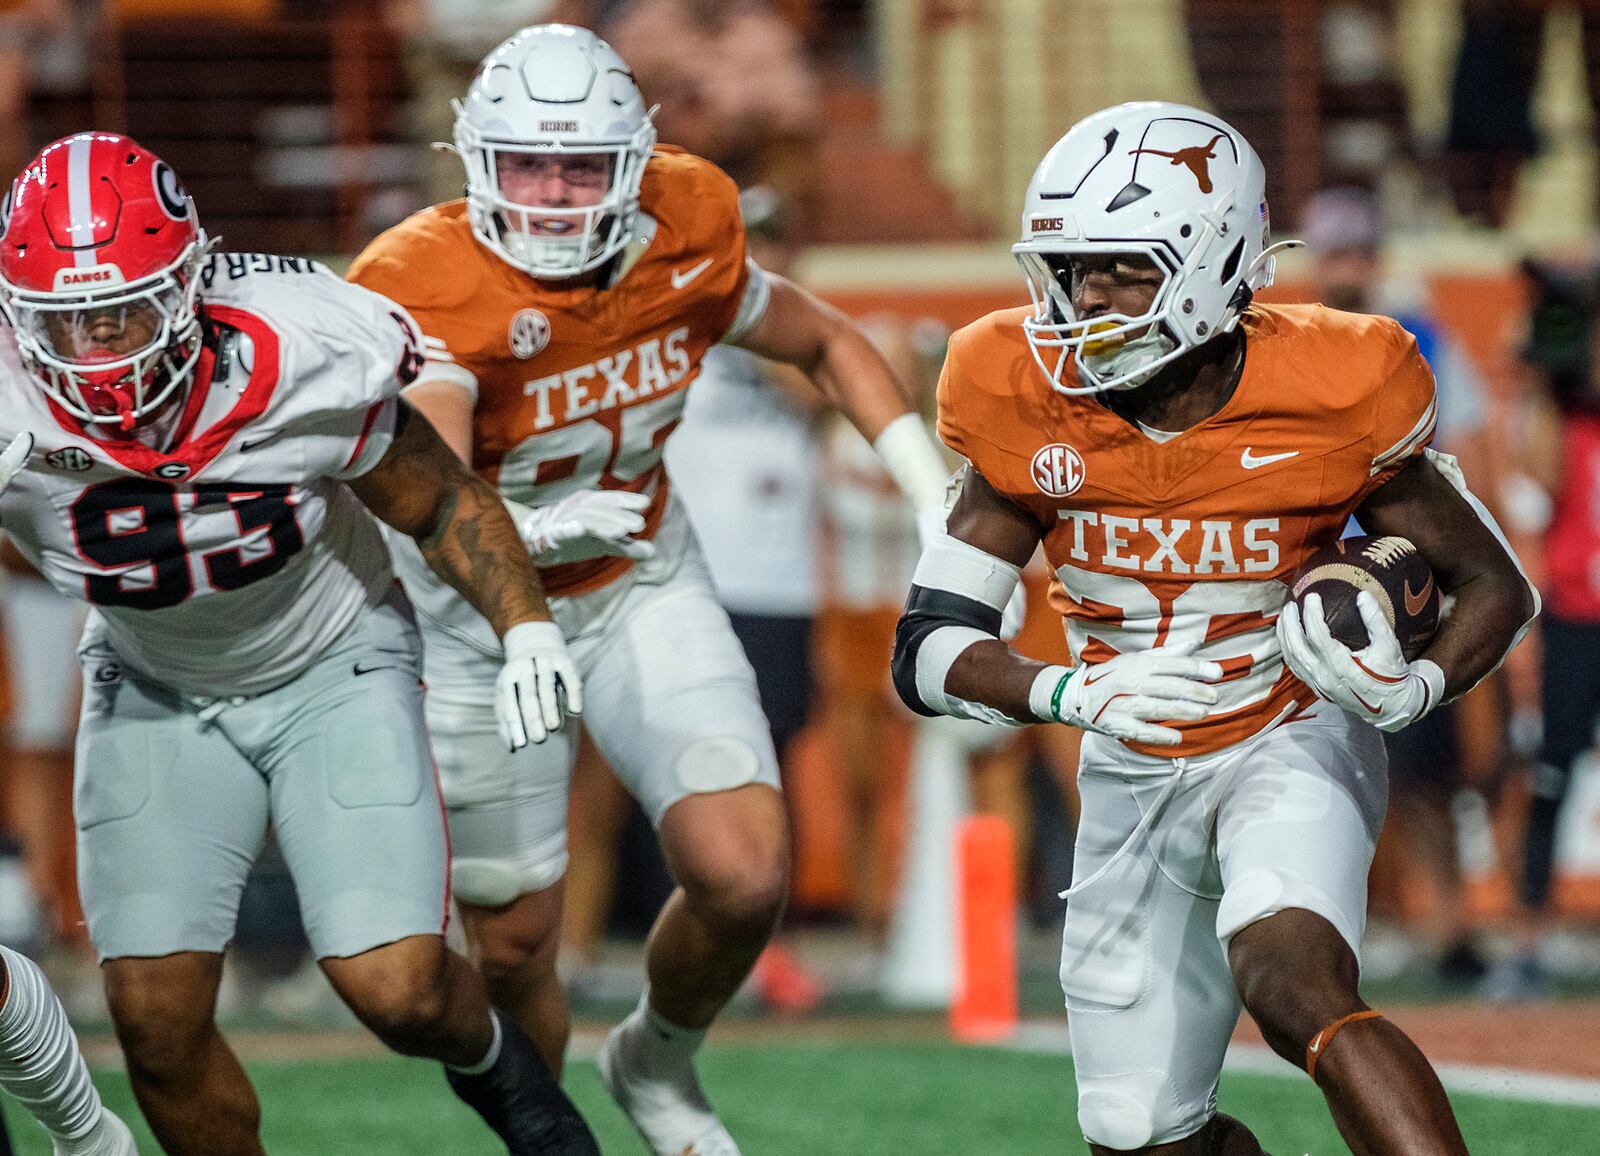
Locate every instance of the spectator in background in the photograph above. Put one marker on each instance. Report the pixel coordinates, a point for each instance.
(744, 463)
(870, 553)
(443, 42)
(43, 45)
(41, 631)
(734, 86)
(1491, 105)
(1432, 762)
(1562, 454)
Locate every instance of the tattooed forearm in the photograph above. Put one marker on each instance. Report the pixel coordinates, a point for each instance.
(458, 521)
(474, 547)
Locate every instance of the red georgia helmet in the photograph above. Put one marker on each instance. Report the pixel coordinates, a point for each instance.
(100, 251)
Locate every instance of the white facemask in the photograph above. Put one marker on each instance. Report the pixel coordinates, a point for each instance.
(1129, 355)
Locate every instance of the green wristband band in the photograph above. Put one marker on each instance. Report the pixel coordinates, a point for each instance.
(1055, 697)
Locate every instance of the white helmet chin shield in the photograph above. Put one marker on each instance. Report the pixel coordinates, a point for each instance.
(1157, 180)
(554, 89)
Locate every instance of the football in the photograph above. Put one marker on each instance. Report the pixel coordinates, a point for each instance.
(1392, 569)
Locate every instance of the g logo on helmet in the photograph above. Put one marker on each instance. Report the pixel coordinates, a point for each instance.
(174, 201)
(530, 332)
(1058, 470)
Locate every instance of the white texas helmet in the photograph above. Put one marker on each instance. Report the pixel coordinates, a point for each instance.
(1166, 181)
(554, 88)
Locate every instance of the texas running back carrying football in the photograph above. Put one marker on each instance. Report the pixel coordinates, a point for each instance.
(566, 305)
(1180, 451)
(204, 435)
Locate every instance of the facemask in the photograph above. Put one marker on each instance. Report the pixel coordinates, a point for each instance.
(1127, 356)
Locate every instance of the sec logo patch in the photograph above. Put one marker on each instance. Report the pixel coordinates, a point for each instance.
(1058, 470)
(530, 332)
(72, 459)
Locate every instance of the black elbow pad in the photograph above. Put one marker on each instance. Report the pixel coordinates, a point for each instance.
(926, 611)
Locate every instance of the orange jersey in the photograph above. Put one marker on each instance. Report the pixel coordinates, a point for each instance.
(577, 388)
(1192, 542)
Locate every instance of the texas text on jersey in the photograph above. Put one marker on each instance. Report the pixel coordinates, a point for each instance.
(1244, 497)
(296, 388)
(577, 387)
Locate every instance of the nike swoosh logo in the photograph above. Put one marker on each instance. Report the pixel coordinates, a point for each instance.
(1370, 708)
(359, 670)
(1250, 462)
(1316, 1045)
(682, 277)
(246, 447)
(1416, 603)
(1094, 676)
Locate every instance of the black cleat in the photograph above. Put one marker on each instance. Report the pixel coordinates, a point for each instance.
(520, 1099)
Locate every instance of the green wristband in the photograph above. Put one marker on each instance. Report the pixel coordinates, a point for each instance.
(1055, 697)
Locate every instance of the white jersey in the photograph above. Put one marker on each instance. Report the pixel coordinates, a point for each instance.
(226, 557)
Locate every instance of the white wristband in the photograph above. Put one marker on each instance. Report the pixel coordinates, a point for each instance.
(908, 452)
(1043, 701)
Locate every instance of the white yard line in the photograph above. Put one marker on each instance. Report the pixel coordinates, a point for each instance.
(1471, 1079)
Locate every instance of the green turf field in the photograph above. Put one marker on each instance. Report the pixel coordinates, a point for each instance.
(818, 1099)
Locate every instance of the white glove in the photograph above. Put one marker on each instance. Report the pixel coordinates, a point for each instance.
(538, 686)
(1121, 696)
(14, 458)
(584, 525)
(1375, 683)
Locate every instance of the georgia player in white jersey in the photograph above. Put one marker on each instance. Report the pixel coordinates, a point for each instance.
(205, 432)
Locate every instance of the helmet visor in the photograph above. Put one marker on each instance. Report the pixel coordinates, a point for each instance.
(101, 333)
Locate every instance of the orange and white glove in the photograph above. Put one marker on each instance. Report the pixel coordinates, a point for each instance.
(1129, 696)
(584, 525)
(1375, 683)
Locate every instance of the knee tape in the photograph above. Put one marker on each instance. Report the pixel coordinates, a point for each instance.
(496, 882)
(1265, 891)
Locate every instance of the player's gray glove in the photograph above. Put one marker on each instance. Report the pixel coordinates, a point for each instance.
(14, 458)
(538, 685)
(585, 525)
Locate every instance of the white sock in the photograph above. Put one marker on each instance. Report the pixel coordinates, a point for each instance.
(39, 1059)
(493, 1055)
(663, 1049)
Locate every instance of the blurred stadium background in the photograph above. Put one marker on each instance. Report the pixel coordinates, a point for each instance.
(1429, 149)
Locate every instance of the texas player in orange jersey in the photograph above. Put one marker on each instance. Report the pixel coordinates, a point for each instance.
(1179, 452)
(566, 306)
